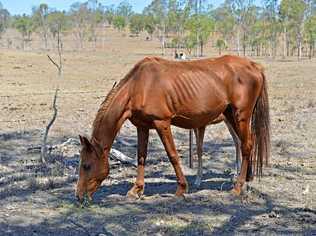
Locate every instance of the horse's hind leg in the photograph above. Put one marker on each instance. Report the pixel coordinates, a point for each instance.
(240, 121)
(164, 131)
(237, 146)
(199, 134)
(138, 189)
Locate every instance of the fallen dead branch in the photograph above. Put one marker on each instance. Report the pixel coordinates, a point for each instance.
(117, 155)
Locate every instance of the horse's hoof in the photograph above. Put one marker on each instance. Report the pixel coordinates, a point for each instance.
(179, 197)
(132, 195)
(236, 190)
(181, 192)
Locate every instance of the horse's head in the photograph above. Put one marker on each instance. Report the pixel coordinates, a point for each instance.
(93, 168)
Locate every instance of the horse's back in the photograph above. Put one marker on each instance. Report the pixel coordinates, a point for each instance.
(168, 89)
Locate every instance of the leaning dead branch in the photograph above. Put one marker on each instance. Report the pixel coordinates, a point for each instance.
(59, 67)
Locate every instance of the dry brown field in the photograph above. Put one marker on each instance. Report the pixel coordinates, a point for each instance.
(39, 199)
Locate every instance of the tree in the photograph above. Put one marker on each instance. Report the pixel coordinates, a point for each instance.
(190, 42)
(119, 22)
(58, 22)
(202, 26)
(149, 25)
(95, 16)
(137, 24)
(4, 19)
(310, 27)
(109, 14)
(244, 13)
(158, 9)
(292, 13)
(24, 25)
(224, 22)
(220, 44)
(125, 10)
(178, 13)
(40, 15)
(272, 25)
(80, 15)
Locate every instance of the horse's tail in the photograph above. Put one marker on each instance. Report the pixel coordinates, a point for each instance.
(261, 129)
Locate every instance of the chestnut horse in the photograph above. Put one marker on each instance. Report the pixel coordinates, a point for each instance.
(158, 93)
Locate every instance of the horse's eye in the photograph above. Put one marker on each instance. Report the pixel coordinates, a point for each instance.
(86, 167)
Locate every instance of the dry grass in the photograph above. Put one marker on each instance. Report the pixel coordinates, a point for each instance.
(42, 199)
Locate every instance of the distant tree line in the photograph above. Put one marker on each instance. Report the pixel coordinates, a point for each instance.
(286, 27)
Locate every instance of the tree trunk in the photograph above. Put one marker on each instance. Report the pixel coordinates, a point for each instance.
(238, 41)
(45, 40)
(244, 44)
(202, 47)
(284, 43)
(299, 48)
(163, 39)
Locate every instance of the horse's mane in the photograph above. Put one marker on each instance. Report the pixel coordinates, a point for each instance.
(109, 97)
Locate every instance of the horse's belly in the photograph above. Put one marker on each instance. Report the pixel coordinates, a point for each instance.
(193, 121)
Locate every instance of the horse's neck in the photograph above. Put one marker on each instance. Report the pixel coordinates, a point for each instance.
(109, 121)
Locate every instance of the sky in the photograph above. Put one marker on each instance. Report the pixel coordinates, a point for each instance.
(25, 6)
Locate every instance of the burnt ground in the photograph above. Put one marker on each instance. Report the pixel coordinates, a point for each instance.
(39, 199)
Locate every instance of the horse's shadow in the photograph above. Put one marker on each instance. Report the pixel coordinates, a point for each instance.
(168, 185)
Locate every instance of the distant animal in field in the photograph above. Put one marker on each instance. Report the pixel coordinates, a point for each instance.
(158, 93)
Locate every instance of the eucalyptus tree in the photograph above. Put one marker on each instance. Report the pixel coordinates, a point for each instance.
(24, 25)
(310, 27)
(178, 14)
(158, 10)
(58, 22)
(137, 24)
(40, 15)
(109, 14)
(224, 23)
(4, 19)
(201, 25)
(292, 12)
(79, 14)
(244, 14)
(95, 17)
(272, 24)
(149, 25)
(119, 22)
(125, 10)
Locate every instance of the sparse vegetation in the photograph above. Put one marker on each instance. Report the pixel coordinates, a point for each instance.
(39, 198)
(273, 28)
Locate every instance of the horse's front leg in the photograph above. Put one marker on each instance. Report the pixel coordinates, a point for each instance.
(164, 130)
(138, 189)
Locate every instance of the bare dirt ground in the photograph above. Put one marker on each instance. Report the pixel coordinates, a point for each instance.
(39, 200)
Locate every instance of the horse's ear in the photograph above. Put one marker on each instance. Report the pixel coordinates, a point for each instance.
(81, 139)
(114, 85)
(84, 142)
